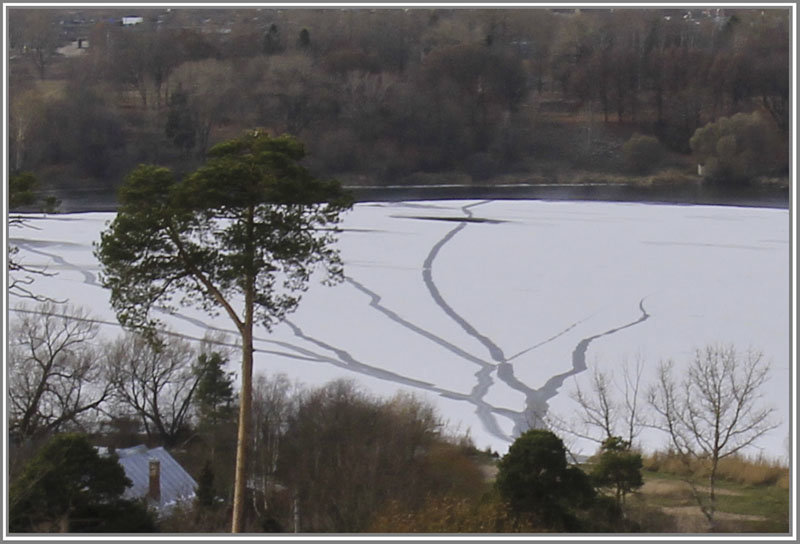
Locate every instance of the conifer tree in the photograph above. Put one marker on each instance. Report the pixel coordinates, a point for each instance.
(242, 235)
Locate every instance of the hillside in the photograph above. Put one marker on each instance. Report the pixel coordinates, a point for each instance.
(415, 97)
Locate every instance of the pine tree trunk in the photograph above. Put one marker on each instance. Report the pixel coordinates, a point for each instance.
(243, 438)
(246, 393)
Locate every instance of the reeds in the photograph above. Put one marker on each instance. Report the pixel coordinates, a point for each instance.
(758, 471)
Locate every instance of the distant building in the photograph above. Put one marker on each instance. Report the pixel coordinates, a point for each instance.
(77, 47)
(156, 476)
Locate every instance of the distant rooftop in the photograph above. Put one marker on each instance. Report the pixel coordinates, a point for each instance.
(176, 484)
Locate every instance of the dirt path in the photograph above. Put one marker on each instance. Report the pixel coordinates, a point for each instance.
(690, 519)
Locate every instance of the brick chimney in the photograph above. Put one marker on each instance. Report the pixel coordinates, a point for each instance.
(154, 490)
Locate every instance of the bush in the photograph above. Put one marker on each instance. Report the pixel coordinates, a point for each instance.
(642, 153)
(671, 177)
(481, 166)
(194, 518)
(674, 134)
(347, 454)
(453, 515)
(68, 486)
(534, 478)
(618, 468)
(736, 150)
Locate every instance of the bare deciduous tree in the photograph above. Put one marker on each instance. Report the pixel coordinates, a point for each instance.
(142, 62)
(599, 411)
(632, 381)
(25, 113)
(338, 431)
(714, 412)
(155, 380)
(208, 84)
(273, 405)
(297, 95)
(54, 375)
(609, 408)
(38, 35)
(21, 276)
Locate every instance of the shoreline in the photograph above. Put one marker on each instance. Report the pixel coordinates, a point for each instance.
(751, 197)
(758, 197)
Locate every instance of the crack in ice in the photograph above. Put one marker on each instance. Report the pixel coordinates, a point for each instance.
(484, 381)
(536, 400)
(427, 277)
(552, 386)
(543, 342)
(88, 277)
(375, 302)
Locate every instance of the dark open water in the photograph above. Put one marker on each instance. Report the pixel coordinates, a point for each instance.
(763, 197)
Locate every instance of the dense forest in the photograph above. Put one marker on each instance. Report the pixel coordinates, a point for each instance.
(405, 96)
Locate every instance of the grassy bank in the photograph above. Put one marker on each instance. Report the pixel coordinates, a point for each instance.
(753, 495)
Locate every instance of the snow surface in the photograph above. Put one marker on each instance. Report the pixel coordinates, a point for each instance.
(492, 319)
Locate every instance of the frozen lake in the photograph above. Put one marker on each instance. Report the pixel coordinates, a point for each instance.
(495, 310)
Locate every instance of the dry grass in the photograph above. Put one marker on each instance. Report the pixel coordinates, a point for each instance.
(782, 182)
(739, 469)
(672, 176)
(677, 489)
(757, 471)
(740, 508)
(51, 89)
(568, 175)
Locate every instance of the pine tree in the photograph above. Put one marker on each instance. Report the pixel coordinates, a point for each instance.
(214, 394)
(205, 487)
(534, 478)
(217, 239)
(68, 487)
(304, 39)
(618, 468)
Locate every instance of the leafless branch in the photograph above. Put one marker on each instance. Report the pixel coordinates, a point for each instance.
(54, 375)
(714, 411)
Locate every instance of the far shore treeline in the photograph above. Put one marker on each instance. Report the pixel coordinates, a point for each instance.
(412, 97)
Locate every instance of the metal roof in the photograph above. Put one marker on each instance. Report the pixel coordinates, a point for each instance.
(176, 484)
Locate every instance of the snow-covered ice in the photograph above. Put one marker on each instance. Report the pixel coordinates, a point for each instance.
(491, 309)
